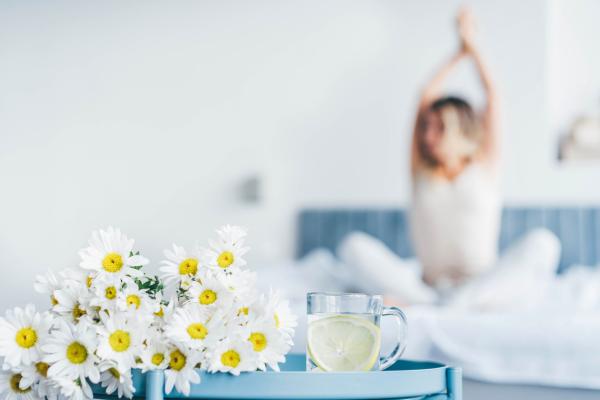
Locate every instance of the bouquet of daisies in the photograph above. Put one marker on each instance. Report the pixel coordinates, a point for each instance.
(109, 317)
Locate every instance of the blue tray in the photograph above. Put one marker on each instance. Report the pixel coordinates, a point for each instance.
(403, 380)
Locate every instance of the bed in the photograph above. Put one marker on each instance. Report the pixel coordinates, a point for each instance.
(578, 229)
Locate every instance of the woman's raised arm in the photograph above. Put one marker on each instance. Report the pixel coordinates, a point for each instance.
(430, 93)
(466, 28)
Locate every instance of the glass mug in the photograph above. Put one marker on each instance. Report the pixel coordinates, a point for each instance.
(343, 332)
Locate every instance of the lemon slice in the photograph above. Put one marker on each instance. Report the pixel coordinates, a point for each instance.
(343, 343)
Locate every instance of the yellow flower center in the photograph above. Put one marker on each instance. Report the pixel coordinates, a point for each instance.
(225, 259)
(77, 312)
(189, 266)
(115, 373)
(157, 358)
(88, 281)
(230, 358)
(42, 368)
(110, 292)
(207, 297)
(119, 340)
(243, 310)
(160, 313)
(277, 323)
(177, 361)
(53, 300)
(134, 299)
(26, 337)
(112, 262)
(77, 353)
(14, 384)
(258, 340)
(197, 331)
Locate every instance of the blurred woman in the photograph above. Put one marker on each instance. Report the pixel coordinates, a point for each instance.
(456, 206)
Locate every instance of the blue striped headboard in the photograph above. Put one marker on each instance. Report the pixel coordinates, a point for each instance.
(578, 229)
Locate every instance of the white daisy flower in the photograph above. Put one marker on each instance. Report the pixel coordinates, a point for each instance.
(110, 254)
(22, 332)
(195, 327)
(279, 308)
(120, 339)
(87, 278)
(179, 266)
(137, 303)
(117, 380)
(70, 352)
(165, 311)
(181, 372)
(71, 389)
(12, 389)
(32, 374)
(155, 353)
(268, 343)
(47, 284)
(72, 302)
(226, 253)
(106, 294)
(78, 276)
(210, 292)
(242, 284)
(50, 282)
(241, 311)
(36, 376)
(233, 355)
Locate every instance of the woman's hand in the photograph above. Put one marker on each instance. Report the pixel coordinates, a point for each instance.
(466, 30)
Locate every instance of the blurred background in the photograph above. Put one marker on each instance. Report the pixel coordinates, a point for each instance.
(171, 119)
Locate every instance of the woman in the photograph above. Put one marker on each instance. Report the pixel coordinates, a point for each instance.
(456, 207)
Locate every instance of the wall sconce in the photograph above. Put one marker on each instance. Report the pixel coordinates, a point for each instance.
(250, 190)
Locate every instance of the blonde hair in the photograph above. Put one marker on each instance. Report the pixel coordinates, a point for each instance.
(462, 129)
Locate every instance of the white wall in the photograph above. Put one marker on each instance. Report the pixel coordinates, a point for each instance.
(574, 62)
(147, 115)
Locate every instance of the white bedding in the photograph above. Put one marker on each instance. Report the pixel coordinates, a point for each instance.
(557, 344)
(548, 348)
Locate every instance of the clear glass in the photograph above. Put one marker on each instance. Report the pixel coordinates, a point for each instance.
(365, 307)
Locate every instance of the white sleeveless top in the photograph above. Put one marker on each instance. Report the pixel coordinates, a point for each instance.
(455, 224)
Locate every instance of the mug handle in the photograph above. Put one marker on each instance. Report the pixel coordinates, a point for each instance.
(385, 362)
